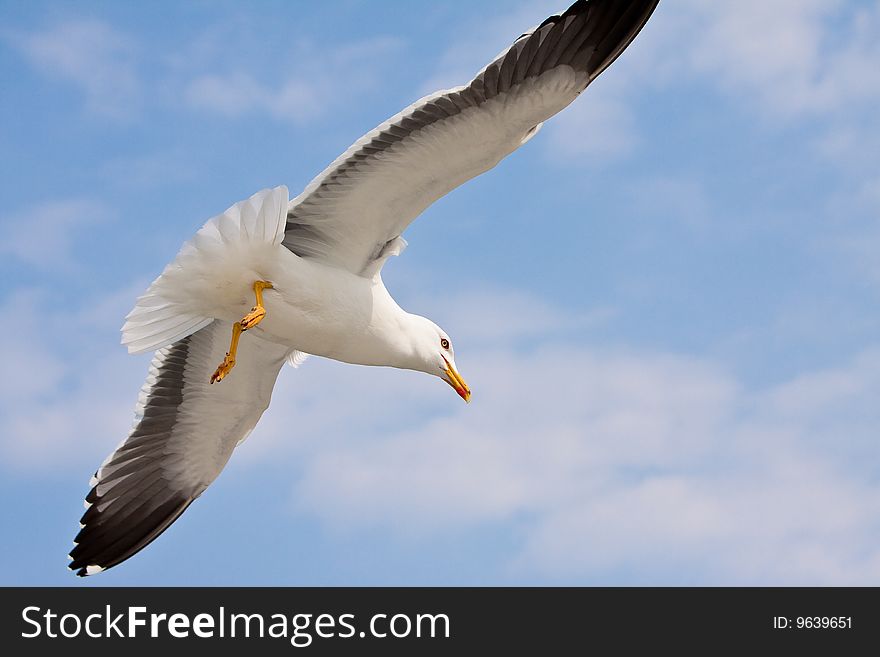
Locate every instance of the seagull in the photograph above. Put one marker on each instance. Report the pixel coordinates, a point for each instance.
(273, 280)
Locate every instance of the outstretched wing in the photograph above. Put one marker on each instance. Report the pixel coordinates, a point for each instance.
(360, 204)
(184, 433)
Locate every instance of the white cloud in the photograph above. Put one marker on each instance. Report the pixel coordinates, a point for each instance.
(92, 55)
(615, 465)
(808, 65)
(596, 129)
(205, 75)
(851, 234)
(152, 170)
(515, 316)
(31, 369)
(238, 93)
(863, 251)
(45, 235)
(641, 466)
(539, 422)
(308, 85)
(787, 57)
(82, 409)
(682, 199)
(62, 396)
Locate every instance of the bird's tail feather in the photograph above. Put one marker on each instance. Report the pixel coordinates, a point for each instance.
(173, 307)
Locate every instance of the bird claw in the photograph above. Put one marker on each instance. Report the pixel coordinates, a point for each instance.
(223, 369)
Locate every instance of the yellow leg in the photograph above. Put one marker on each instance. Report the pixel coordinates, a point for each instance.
(254, 317)
(258, 312)
(229, 362)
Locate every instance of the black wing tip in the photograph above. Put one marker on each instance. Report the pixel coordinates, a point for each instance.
(82, 567)
(588, 36)
(612, 25)
(105, 541)
(85, 570)
(136, 501)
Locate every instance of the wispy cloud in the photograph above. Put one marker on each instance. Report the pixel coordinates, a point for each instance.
(616, 465)
(62, 397)
(45, 235)
(604, 126)
(785, 58)
(92, 55)
(513, 317)
(802, 59)
(307, 81)
(600, 460)
(119, 76)
(150, 170)
(853, 229)
(239, 93)
(863, 250)
(629, 467)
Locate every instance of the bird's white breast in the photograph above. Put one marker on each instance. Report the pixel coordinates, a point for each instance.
(316, 308)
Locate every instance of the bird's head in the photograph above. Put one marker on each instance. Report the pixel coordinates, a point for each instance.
(436, 356)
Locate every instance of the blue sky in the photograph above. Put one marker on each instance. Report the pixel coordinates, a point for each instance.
(666, 303)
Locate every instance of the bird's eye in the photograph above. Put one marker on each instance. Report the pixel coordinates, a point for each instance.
(444, 343)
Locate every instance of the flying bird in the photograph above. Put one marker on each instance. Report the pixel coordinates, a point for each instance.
(272, 280)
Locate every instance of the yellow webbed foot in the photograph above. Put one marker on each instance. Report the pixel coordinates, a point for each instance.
(223, 369)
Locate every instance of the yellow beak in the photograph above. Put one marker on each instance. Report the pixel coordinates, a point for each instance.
(454, 379)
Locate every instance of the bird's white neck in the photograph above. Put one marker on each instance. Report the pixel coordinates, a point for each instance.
(391, 335)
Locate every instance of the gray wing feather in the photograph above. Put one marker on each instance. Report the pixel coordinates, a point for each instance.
(184, 433)
(587, 38)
